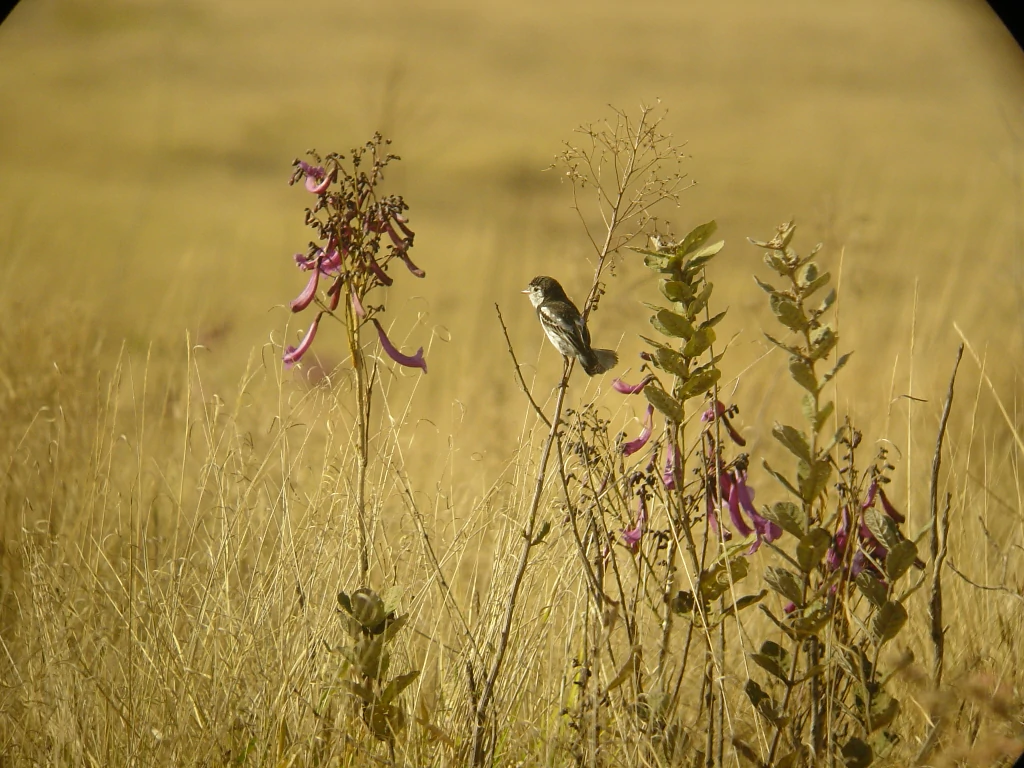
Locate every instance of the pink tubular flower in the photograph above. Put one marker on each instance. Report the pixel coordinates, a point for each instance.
(292, 354)
(733, 499)
(378, 271)
(631, 389)
(890, 510)
(404, 256)
(628, 449)
(305, 298)
(317, 179)
(632, 536)
(414, 361)
(357, 305)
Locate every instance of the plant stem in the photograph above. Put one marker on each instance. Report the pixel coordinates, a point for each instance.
(362, 439)
(477, 751)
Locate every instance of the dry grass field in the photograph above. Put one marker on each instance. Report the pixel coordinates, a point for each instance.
(177, 508)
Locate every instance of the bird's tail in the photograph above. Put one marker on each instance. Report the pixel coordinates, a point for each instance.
(598, 361)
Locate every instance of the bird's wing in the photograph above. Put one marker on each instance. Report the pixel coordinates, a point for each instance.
(565, 319)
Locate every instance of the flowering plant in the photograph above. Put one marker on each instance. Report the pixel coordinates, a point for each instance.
(359, 234)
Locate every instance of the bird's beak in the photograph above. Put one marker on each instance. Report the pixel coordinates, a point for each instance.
(526, 291)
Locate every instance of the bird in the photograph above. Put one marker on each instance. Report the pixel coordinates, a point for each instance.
(565, 327)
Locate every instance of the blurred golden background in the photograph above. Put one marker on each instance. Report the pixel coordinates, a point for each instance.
(145, 147)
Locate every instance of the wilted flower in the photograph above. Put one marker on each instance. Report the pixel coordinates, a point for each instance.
(628, 449)
(414, 361)
(720, 412)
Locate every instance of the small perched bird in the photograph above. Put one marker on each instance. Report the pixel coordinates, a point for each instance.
(564, 326)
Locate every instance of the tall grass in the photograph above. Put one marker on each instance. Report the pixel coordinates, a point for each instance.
(172, 558)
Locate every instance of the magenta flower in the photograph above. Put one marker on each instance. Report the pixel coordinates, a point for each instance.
(628, 449)
(631, 389)
(404, 256)
(414, 361)
(317, 179)
(739, 498)
(357, 305)
(292, 354)
(632, 536)
(890, 510)
(305, 298)
(378, 270)
(731, 494)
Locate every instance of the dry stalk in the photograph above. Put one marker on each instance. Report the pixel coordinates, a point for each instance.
(939, 529)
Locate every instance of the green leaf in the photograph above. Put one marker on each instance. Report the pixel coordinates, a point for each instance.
(766, 287)
(656, 261)
(785, 583)
(545, 529)
(838, 366)
(789, 314)
(857, 754)
(672, 324)
(900, 558)
(812, 548)
(344, 602)
(702, 257)
(827, 302)
(664, 402)
(715, 581)
(671, 361)
(778, 476)
(882, 528)
(787, 516)
(696, 238)
(888, 622)
(675, 290)
(744, 602)
(823, 341)
(812, 618)
(364, 692)
(393, 599)
(699, 382)
(791, 349)
(774, 659)
(793, 440)
(815, 285)
(398, 685)
(803, 374)
(824, 415)
(712, 321)
(884, 709)
(764, 705)
(813, 478)
(699, 342)
(777, 263)
(394, 626)
(872, 589)
(700, 301)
